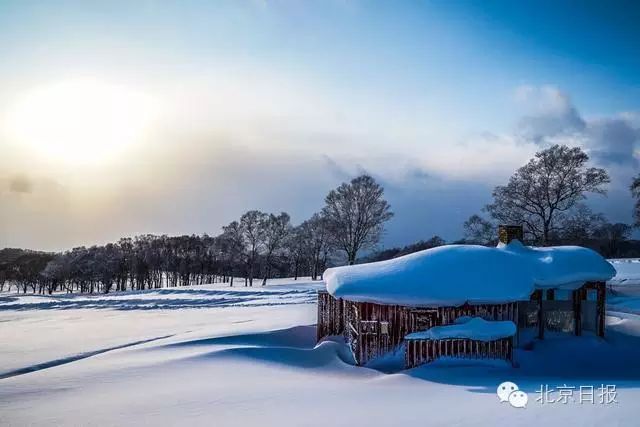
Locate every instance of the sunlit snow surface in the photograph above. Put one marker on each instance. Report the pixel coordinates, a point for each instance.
(211, 355)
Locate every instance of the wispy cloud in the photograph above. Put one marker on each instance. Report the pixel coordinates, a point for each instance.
(20, 184)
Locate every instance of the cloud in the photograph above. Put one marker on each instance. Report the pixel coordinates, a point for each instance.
(336, 170)
(216, 158)
(553, 118)
(20, 184)
(550, 113)
(613, 141)
(424, 204)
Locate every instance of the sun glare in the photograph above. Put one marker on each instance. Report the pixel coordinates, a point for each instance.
(81, 121)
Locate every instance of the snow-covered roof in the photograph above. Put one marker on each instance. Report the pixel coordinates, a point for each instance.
(454, 274)
(474, 328)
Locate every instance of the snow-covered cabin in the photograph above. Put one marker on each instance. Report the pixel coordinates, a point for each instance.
(377, 305)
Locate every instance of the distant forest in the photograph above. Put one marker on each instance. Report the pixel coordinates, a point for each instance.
(258, 246)
(545, 196)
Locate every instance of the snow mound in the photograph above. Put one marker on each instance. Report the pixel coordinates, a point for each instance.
(627, 278)
(455, 274)
(328, 355)
(474, 328)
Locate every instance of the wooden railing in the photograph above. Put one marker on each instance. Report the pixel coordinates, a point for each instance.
(419, 352)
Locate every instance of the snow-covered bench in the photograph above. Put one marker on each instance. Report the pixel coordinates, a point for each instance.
(466, 338)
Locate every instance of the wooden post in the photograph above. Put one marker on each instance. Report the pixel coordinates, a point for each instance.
(321, 312)
(340, 319)
(540, 314)
(407, 349)
(577, 311)
(516, 319)
(600, 309)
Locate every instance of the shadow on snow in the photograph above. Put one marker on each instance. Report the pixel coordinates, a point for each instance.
(560, 359)
(74, 358)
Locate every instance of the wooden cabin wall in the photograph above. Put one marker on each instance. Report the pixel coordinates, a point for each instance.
(375, 329)
(583, 311)
(372, 330)
(330, 315)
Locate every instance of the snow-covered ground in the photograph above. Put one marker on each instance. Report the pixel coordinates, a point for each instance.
(627, 278)
(217, 356)
(624, 288)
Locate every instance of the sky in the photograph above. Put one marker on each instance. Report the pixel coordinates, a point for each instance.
(123, 118)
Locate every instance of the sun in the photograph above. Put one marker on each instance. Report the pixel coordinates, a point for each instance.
(81, 121)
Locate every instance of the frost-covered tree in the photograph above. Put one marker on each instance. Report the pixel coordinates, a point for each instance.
(355, 213)
(541, 192)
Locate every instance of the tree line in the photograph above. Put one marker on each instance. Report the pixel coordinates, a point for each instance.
(257, 246)
(547, 196)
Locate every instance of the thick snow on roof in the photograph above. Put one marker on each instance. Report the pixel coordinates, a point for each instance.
(474, 328)
(454, 274)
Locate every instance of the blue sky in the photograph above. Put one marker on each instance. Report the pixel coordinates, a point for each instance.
(430, 97)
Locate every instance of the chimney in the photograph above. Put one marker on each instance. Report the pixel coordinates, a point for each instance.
(507, 233)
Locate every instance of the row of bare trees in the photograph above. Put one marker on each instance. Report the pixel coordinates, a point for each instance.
(258, 245)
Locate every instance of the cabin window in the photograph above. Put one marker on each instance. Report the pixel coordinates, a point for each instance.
(384, 328)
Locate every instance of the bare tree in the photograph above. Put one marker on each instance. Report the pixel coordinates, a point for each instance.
(320, 243)
(297, 250)
(231, 246)
(355, 213)
(252, 224)
(545, 189)
(578, 226)
(612, 237)
(479, 231)
(315, 243)
(275, 231)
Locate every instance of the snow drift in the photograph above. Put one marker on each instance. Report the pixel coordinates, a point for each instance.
(454, 274)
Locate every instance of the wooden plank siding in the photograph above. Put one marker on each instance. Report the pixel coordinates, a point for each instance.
(330, 315)
(601, 295)
(372, 330)
(418, 352)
